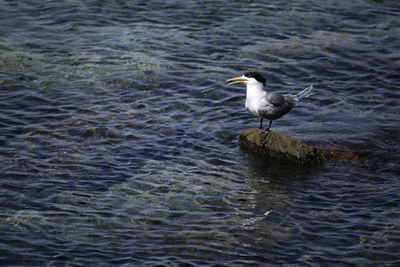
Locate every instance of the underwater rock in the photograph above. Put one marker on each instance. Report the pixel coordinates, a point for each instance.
(280, 147)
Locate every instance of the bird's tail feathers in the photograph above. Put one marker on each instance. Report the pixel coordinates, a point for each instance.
(305, 93)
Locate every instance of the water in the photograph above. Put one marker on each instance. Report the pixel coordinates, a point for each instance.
(119, 137)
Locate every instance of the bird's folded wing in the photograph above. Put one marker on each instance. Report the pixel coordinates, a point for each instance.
(275, 99)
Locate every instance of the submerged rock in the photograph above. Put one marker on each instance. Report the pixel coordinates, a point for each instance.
(281, 147)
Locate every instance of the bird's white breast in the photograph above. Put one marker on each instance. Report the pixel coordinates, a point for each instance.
(255, 98)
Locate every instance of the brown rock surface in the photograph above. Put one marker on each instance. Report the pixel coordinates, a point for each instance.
(281, 147)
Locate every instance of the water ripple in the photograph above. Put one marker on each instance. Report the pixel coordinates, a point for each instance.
(118, 135)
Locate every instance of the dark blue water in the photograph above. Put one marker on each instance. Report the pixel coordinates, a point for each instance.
(119, 137)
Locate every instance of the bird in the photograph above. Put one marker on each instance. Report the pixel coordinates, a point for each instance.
(264, 104)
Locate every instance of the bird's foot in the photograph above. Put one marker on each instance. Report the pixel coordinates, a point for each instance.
(267, 130)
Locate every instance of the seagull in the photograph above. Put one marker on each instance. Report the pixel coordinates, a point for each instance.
(267, 105)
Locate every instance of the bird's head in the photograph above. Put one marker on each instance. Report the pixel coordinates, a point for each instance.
(248, 78)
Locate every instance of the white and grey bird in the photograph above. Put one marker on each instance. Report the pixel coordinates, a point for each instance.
(267, 105)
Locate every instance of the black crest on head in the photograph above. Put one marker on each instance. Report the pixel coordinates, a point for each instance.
(255, 75)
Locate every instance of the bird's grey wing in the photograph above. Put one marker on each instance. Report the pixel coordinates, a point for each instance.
(276, 99)
(291, 100)
(275, 107)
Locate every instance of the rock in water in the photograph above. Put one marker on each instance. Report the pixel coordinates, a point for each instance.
(280, 147)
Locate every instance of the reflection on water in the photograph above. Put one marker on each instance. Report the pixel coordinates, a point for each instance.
(119, 138)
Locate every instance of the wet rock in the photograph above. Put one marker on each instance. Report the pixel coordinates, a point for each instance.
(280, 147)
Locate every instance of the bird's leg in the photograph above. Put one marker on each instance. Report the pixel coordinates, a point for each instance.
(269, 126)
(261, 123)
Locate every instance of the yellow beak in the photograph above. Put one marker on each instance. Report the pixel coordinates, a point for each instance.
(236, 80)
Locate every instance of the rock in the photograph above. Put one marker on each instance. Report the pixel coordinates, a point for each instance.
(280, 147)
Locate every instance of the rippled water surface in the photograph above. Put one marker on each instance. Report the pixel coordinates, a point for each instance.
(119, 137)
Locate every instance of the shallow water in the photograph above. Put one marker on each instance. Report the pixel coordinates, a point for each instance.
(119, 137)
